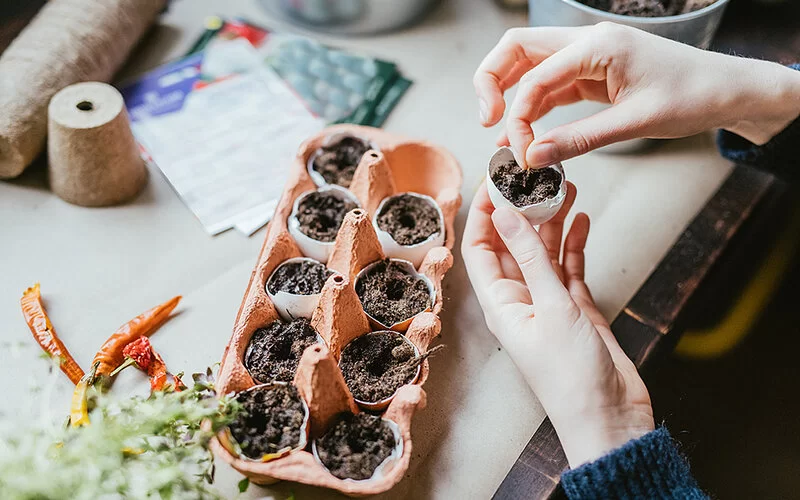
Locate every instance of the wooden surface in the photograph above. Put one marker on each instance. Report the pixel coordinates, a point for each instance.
(651, 321)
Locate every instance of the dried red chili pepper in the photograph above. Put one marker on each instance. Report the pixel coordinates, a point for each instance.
(110, 355)
(44, 333)
(140, 353)
(160, 378)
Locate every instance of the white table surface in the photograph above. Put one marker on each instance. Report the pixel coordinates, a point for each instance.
(101, 267)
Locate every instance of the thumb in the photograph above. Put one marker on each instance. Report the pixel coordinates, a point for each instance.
(620, 122)
(530, 252)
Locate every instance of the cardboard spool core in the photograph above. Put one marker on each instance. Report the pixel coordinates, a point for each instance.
(93, 158)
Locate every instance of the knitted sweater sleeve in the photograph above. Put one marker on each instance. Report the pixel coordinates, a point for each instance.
(779, 155)
(648, 467)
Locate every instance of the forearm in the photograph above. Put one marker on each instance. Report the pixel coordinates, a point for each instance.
(764, 100)
(780, 151)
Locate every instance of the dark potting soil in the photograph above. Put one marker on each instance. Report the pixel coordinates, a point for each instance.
(274, 351)
(648, 8)
(321, 214)
(305, 277)
(390, 295)
(409, 219)
(356, 445)
(270, 420)
(526, 187)
(337, 162)
(377, 364)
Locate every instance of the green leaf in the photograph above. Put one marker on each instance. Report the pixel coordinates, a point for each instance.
(243, 485)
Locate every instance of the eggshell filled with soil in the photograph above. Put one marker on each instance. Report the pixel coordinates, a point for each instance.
(536, 193)
(409, 225)
(393, 293)
(357, 436)
(295, 286)
(316, 218)
(376, 365)
(335, 161)
(273, 423)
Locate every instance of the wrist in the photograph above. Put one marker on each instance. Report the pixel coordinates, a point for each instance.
(586, 438)
(766, 101)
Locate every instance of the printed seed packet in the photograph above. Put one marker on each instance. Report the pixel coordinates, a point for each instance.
(337, 86)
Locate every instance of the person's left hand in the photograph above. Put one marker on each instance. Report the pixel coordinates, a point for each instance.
(537, 304)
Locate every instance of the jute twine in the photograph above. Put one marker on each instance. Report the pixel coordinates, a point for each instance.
(69, 41)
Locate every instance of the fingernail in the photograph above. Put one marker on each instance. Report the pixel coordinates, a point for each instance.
(520, 158)
(484, 110)
(542, 155)
(506, 222)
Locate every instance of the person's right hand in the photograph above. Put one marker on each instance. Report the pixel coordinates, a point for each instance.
(659, 89)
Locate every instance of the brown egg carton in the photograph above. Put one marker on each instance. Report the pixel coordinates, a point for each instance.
(401, 165)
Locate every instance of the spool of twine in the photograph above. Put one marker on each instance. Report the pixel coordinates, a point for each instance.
(69, 41)
(93, 158)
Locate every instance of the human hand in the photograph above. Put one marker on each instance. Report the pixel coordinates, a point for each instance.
(659, 88)
(536, 303)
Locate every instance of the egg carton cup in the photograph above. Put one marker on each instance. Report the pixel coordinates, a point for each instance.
(397, 165)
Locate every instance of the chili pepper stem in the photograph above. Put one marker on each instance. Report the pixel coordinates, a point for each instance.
(79, 408)
(128, 362)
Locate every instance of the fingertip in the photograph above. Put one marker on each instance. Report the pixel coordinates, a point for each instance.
(540, 154)
(491, 105)
(481, 202)
(572, 188)
(520, 136)
(507, 222)
(562, 213)
(579, 232)
(496, 107)
(502, 139)
(583, 219)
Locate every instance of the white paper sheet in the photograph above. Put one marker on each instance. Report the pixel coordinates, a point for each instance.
(227, 151)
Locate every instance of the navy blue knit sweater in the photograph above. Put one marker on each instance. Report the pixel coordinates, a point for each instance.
(652, 466)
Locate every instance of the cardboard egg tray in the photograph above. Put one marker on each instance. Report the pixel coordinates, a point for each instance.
(399, 165)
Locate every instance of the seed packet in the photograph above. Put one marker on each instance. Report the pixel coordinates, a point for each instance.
(337, 86)
(223, 128)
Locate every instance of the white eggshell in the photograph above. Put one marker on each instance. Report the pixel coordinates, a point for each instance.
(413, 253)
(537, 213)
(408, 267)
(384, 403)
(227, 441)
(292, 305)
(331, 139)
(317, 250)
(385, 467)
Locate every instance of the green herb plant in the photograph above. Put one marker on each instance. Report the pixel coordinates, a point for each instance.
(134, 448)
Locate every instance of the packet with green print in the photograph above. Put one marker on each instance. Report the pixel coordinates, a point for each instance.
(336, 85)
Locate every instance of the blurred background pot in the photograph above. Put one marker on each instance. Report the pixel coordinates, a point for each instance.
(693, 28)
(349, 17)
